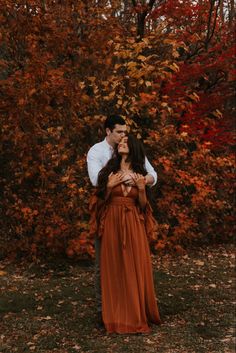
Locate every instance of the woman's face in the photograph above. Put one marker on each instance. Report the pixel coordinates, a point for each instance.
(123, 146)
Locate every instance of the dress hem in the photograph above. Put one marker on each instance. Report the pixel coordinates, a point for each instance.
(121, 328)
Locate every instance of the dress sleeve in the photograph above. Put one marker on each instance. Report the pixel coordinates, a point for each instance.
(97, 209)
(150, 222)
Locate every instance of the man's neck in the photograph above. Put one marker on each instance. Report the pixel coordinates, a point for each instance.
(112, 144)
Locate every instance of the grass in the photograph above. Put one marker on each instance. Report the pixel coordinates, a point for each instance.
(50, 307)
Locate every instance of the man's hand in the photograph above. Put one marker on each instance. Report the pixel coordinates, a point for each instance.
(139, 180)
(149, 179)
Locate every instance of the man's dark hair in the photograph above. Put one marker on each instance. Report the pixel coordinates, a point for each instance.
(112, 120)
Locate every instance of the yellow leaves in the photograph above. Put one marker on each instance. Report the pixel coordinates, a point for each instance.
(217, 114)
(129, 122)
(184, 134)
(206, 145)
(81, 84)
(56, 74)
(131, 64)
(21, 101)
(32, 91)
(117, 66)
(199, 262)
(147, 98)
(166, 163)
(174, 67)
(194, 97)
(92, 79)
(85, 98)
(80, 245)
(110, 96)
(152, 111)
(141, 57)
(148, 83)
(164, 104)
(169, 41)
(160, 245)
(179, 249)
(27, 210)
(175, 54)
(65, 179)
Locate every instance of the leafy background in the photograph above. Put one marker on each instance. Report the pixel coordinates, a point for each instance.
(166, 66)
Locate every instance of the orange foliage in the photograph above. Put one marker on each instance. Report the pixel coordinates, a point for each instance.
(64, 67)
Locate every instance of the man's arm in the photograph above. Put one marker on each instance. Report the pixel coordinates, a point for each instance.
(94, 165)
(151, 177)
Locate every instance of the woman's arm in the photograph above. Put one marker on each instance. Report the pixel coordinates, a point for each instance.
(141, 183)
(142, 198)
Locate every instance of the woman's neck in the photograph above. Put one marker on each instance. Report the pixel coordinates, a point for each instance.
(125, 166)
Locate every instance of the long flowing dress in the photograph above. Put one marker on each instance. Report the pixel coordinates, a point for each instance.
(128, 295)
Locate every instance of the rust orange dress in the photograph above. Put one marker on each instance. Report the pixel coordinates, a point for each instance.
(128, 295)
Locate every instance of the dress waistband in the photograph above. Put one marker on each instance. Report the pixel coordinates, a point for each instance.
(122, 200)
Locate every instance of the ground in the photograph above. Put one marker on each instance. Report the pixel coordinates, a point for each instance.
(50, 307)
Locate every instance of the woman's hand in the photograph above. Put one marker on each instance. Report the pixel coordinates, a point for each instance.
(114, 179)
(127, 178)
(139, 180)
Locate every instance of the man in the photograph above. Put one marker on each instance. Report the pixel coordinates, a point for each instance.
(97, 157)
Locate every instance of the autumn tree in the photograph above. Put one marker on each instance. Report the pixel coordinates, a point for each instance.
(167, 67)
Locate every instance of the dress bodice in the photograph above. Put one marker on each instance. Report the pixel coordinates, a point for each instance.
(117, 191)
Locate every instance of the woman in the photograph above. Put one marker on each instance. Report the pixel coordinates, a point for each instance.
(121, 215)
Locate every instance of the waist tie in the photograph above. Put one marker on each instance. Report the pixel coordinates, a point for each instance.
(127, 205)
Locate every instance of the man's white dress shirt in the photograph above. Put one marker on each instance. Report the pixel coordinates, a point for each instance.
(98, 156)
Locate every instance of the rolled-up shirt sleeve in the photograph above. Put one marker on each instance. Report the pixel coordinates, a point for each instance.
(94, 165)
(150, 170)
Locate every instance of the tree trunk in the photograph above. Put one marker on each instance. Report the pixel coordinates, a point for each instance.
(231, 13)
(141, 25)
(222, 11)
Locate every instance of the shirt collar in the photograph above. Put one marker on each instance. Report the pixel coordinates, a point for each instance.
(108, 145)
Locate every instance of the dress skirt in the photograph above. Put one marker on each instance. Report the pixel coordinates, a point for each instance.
(128, 296)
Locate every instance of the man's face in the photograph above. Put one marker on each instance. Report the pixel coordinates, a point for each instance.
(117, 133)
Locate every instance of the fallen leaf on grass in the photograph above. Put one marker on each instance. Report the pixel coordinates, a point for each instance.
(199, 263)
(76, 347)
(150, 342)
(212, 285)
(44, 318)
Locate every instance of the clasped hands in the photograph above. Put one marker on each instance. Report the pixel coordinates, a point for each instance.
(127, 178)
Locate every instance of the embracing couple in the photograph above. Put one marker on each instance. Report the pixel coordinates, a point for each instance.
(122, 224)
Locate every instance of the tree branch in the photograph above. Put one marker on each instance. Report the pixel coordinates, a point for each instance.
(151, 3)
(142, 16)
(214, 24)
(210, 32)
